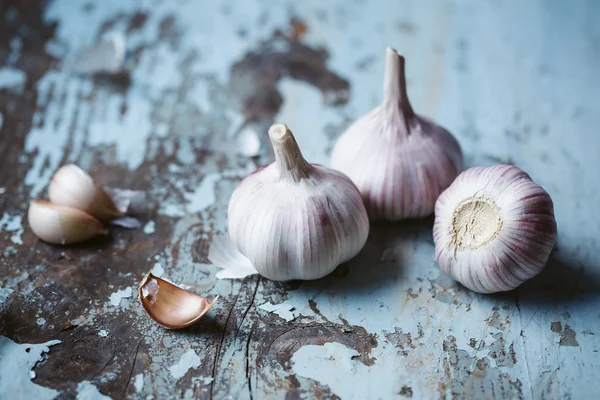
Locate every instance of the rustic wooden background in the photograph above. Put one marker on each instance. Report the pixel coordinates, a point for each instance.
(515, 81)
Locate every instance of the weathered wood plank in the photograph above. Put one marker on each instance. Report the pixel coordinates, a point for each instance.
(516, 82)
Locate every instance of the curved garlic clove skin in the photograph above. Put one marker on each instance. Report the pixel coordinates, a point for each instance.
(400, 161)
(494, 228)
(295, 220)
(58, 224)
(170, 305)
(71, 186)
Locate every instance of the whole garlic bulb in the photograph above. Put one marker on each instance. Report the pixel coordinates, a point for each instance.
(494, 228)
(295, 220)
(400, 161)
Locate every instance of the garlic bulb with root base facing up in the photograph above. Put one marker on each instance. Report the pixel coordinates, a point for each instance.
(71, 186)
(400, 161)
(58, 224)
(295, 220)
(494, 228)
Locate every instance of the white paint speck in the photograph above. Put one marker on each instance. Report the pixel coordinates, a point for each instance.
(149, 228)
(188, 360)
(204, 195)
(138, 383)
(284, 310)
(171, 210)
(115, 298)
(87, 391)
(103, 333)
(157, 270)
(202, 380)
(16, 369)
(12, 224)
(318, 362)
(40, 321)
(2, 189)
(11, 77)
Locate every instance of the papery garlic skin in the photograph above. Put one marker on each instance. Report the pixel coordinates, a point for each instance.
(58, 224)
(71, 186)
(494, 228)
(400, 161)
(295, 220)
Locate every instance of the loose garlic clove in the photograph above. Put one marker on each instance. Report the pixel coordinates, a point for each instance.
(400, 161)
(295, 220)
(58, 224)
(71, 186)
(170, 305)
(494, 228)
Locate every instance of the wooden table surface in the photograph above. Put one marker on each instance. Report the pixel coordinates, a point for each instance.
(516, 82)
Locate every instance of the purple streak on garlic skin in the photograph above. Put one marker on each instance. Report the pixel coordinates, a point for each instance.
(494, 228)
(400, 161)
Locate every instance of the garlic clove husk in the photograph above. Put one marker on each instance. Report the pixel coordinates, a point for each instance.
(234, 264)
(400, 161)
(170, 305)
(71, 186)
(494, 228)
(58, 224)
(295, 220)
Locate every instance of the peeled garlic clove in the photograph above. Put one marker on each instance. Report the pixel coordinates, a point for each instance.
(400, 161)
(295, 220)
(58, 224)
(170, 305)
(71, 186)
(494, 228)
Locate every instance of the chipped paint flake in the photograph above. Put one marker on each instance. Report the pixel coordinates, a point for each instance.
(284, 310)
(87, 391)
(116, 297)
(14, 224)
(138, 383)
(204, 196)
(12, 78)
(157, 270)
(188, 360)
(149, 228)
(103, 333)
(16, 363)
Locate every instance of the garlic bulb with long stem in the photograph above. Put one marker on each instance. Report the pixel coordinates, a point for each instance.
(400, 161)
(494, 228)
(296, 220)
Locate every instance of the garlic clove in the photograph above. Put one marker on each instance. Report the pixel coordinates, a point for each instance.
(296, 220)
(170, 305)
(58, 224)
(494, 228)
(71, 186)
(399, 160)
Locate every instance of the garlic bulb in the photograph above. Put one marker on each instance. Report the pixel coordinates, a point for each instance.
(71, 186)
(59, 224)
(494, 228)
(400, 161)
(295, 220)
